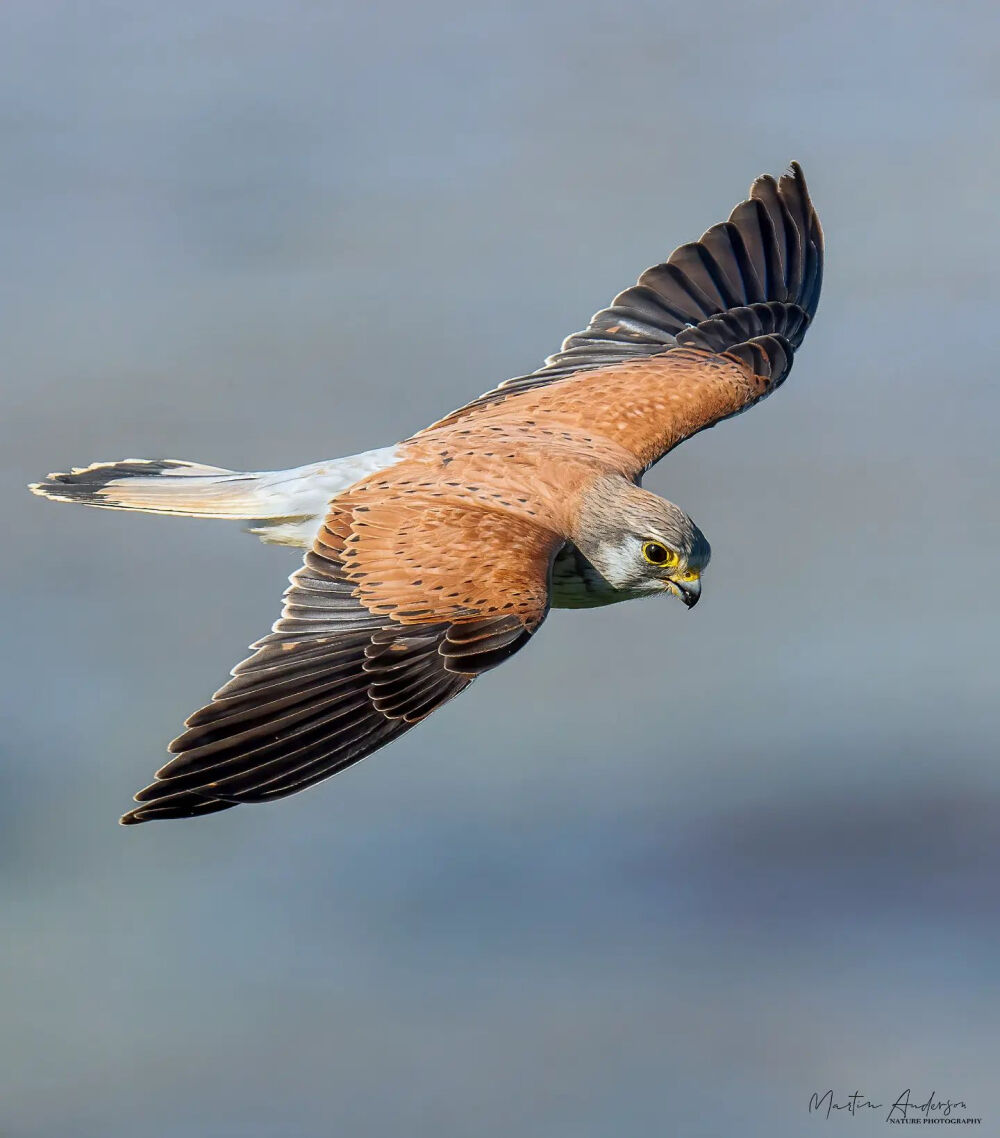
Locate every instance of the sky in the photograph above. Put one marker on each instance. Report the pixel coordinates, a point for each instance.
(666, 871)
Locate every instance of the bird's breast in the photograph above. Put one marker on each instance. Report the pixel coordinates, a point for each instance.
(576, 584)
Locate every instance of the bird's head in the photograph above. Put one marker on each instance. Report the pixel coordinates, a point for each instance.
(640, 543)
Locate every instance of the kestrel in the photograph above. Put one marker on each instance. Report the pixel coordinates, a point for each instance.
(433, 561)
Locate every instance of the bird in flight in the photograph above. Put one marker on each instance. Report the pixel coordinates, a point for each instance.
(430, 562)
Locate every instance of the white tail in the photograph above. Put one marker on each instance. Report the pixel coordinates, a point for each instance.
(287, 505)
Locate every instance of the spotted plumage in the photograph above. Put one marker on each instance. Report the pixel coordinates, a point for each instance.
(435, 560)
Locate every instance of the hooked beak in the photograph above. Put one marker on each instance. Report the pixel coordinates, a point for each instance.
(688, 589)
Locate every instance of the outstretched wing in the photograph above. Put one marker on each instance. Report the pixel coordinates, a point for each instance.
(399, 605)
(699, 338)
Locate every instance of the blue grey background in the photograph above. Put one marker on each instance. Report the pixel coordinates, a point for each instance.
(666, 873)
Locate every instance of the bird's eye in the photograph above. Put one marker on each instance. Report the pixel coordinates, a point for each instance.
(659, 555)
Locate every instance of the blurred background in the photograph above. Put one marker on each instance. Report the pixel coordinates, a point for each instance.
(668, 872)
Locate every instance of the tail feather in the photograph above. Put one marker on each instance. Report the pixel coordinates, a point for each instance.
(159, 486)
(286, 506)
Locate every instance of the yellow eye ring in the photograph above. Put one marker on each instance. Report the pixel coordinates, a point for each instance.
(657, 554)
